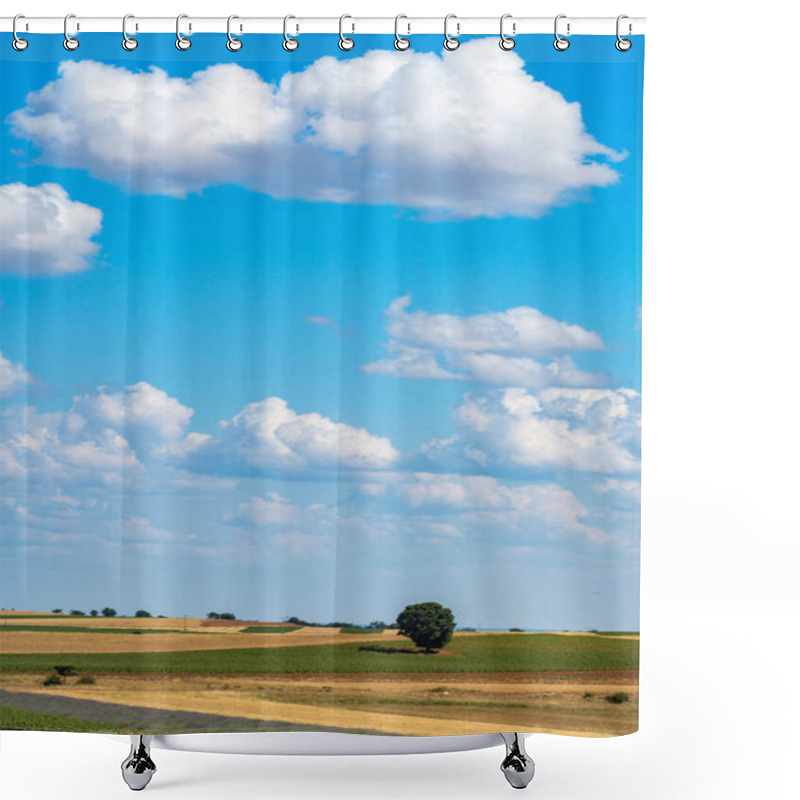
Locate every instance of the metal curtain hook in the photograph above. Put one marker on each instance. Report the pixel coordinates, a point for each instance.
(506, 42)
(128, 42)
(233, 44)
(451, 42)
(400, 42)
(181, 42)
(18, 43)
(345, 43)
(561, 43)
(70, 42)
(622, 44)
(289, 44)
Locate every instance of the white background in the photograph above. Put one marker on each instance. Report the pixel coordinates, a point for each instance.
(720, 597)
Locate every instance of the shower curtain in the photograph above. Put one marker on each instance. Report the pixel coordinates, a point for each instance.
(321, 385)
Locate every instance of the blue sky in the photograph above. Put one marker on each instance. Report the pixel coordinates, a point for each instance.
(248, 394)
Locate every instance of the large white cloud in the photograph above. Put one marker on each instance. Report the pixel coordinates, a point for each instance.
(518, 347)
(59, 449)
(466, 134)
(44, 232)
(269, 436)
(457, 505)
(13, 377)
(591, 430)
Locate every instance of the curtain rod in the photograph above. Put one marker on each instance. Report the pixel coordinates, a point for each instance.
(352, 24)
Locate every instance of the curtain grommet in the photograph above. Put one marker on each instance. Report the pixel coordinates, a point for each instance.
(71, 43)
(451, 43)
(128, 42)
(622, 44)
(401, 43)
(233, 44)
(181, 42)
(507, 42)
(18, 43)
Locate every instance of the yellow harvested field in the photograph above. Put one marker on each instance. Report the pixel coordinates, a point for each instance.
(57, 642)
(240, 700)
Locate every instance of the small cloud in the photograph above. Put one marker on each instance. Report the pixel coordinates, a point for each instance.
(44, 232)
(328, 321)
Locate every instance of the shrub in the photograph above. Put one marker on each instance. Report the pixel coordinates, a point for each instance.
(515, 630)
(142, 613)
(57, 610)
(76, 613)
(86, 679)
(429, 625)
(587, 695)
(65, 669)
(618, 697)
(227, 615)
(52, 680)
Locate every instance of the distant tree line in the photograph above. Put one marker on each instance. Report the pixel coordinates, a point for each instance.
(223, 615)
(377, 624)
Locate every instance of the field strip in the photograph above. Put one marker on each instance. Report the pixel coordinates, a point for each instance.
(65, 643)
(295, 713)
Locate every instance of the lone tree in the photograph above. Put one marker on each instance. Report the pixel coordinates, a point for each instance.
(108, 612)
(142, 613)
(429, 625)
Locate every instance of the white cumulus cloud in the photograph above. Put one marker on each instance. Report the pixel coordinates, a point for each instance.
(592, 430)
(44, 232)
(13, 377)
(269, 436)
(462, 134)
(518, 347)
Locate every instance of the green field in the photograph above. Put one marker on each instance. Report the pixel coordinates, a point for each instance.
(80, 629)
(470, 653)
(17, 719)
(272, 629)
(353, 629)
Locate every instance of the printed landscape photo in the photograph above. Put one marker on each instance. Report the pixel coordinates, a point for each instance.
(201, 675)
(286, 336)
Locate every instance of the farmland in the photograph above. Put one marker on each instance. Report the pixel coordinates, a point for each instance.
(321, 678)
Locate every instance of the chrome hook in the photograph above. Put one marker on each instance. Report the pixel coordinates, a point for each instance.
(128, 42)
(507, 42)
(400, 42)
(622, 44)
(345, 43)
(181, 42)
(561, 43)
(70, 42)
(233, 44)
(18, 43)
(451, 42)
(289, 44)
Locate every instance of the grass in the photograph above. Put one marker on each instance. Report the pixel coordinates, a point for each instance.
(271, 629)
(355, 629)
(81, 629)
(475, 653)
(17, 719)
(615, 633)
